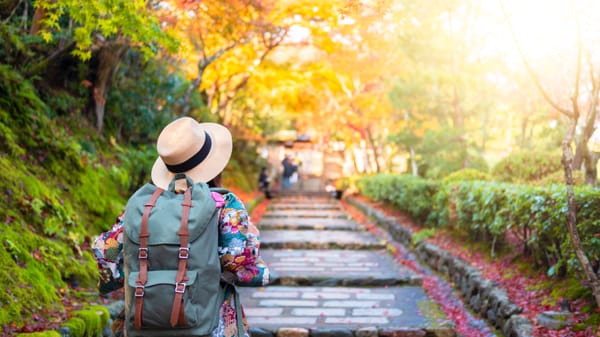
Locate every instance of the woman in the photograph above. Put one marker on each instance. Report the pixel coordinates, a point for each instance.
(200, 151)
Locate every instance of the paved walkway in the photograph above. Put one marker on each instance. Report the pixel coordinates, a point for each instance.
(331, 277)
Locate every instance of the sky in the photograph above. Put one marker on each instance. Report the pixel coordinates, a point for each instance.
(544, 28)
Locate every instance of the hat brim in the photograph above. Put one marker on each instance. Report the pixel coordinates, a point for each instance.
(210, 167)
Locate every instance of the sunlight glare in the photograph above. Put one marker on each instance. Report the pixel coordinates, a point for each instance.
(544, 28)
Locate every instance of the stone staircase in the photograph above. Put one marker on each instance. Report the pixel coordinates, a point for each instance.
(331, 277)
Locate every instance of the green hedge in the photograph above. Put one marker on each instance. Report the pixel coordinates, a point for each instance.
(527, 166)
(410, 194)
(534, 216)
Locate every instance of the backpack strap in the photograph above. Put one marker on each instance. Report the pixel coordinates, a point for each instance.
(143, 258)
(238, 312)
(228, 278)
(178, 311)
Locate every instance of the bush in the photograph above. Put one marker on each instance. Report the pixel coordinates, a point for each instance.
(487, 211)
(558, 178)
(443, 212)
(527, 166)
(466, 175)
(409, 193)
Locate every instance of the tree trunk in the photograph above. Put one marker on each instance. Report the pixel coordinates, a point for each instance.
(355, 162)
(583, 157)
(185, 110)
(109, 57)
(413, 162)
(589, 167)
(582, 160)
(36, 22)
(374, 147)
(567, 161)
(202, 65)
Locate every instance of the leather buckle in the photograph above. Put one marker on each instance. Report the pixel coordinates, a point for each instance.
(139, 291)
(142, 253)
(184, 252)
(180, 287)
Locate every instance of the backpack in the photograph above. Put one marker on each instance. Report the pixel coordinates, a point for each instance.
(171, 262)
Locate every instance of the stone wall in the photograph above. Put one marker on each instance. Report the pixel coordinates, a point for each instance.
(482, 295)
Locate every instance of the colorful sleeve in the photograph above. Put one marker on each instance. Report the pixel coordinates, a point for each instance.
(239, 243)
(108, 252)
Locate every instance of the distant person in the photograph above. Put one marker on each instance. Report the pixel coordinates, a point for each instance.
(264, 182)
(297, 161)
(289, 168)
(330, 188)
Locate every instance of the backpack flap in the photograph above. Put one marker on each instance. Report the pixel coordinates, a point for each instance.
(167, 211)
(159, 293)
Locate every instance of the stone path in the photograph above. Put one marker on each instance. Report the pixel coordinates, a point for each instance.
(331, 277)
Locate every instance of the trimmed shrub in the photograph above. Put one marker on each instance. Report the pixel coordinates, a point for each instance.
(527, 166)
(558, 178)
(535, 216)
(466, 175)
(409, 193)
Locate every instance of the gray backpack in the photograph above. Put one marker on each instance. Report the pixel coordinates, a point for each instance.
(171, 262)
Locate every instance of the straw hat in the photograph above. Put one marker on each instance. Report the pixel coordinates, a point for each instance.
(200, 150)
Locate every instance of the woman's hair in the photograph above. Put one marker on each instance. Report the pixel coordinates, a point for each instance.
(215, 182)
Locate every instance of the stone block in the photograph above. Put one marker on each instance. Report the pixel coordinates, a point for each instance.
(292, 332)
(367, 332)
(402, 332)
(491, 316)
(473, 284)
(259, 332)
(555, 320)
(518, 326)
(440, 332)
(463, 284)
(331, 332)
(485, 287)
(508, 309)
(475, 302)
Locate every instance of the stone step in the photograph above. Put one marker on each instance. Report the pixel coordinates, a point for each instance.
(309, 224)
(293, 213)
(313, 193)
(392, 311)
(303, 206)
(309, 239)
(299, 199)
(336, 268)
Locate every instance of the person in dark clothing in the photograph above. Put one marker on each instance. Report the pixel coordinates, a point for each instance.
(264, 182)
(288, 170)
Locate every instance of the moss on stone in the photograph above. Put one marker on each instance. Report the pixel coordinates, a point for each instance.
(103, 312)
(49, 333)
(76, 327)
(54, 200)
(433, 313)
(95, 320)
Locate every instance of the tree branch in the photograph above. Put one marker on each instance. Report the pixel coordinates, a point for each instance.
(533, 74)
(575, 97)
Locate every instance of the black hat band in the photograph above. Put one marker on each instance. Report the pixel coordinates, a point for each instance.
(195, 159)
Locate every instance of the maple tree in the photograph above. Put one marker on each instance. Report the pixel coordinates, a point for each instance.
(106, 29)
(221, 41)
